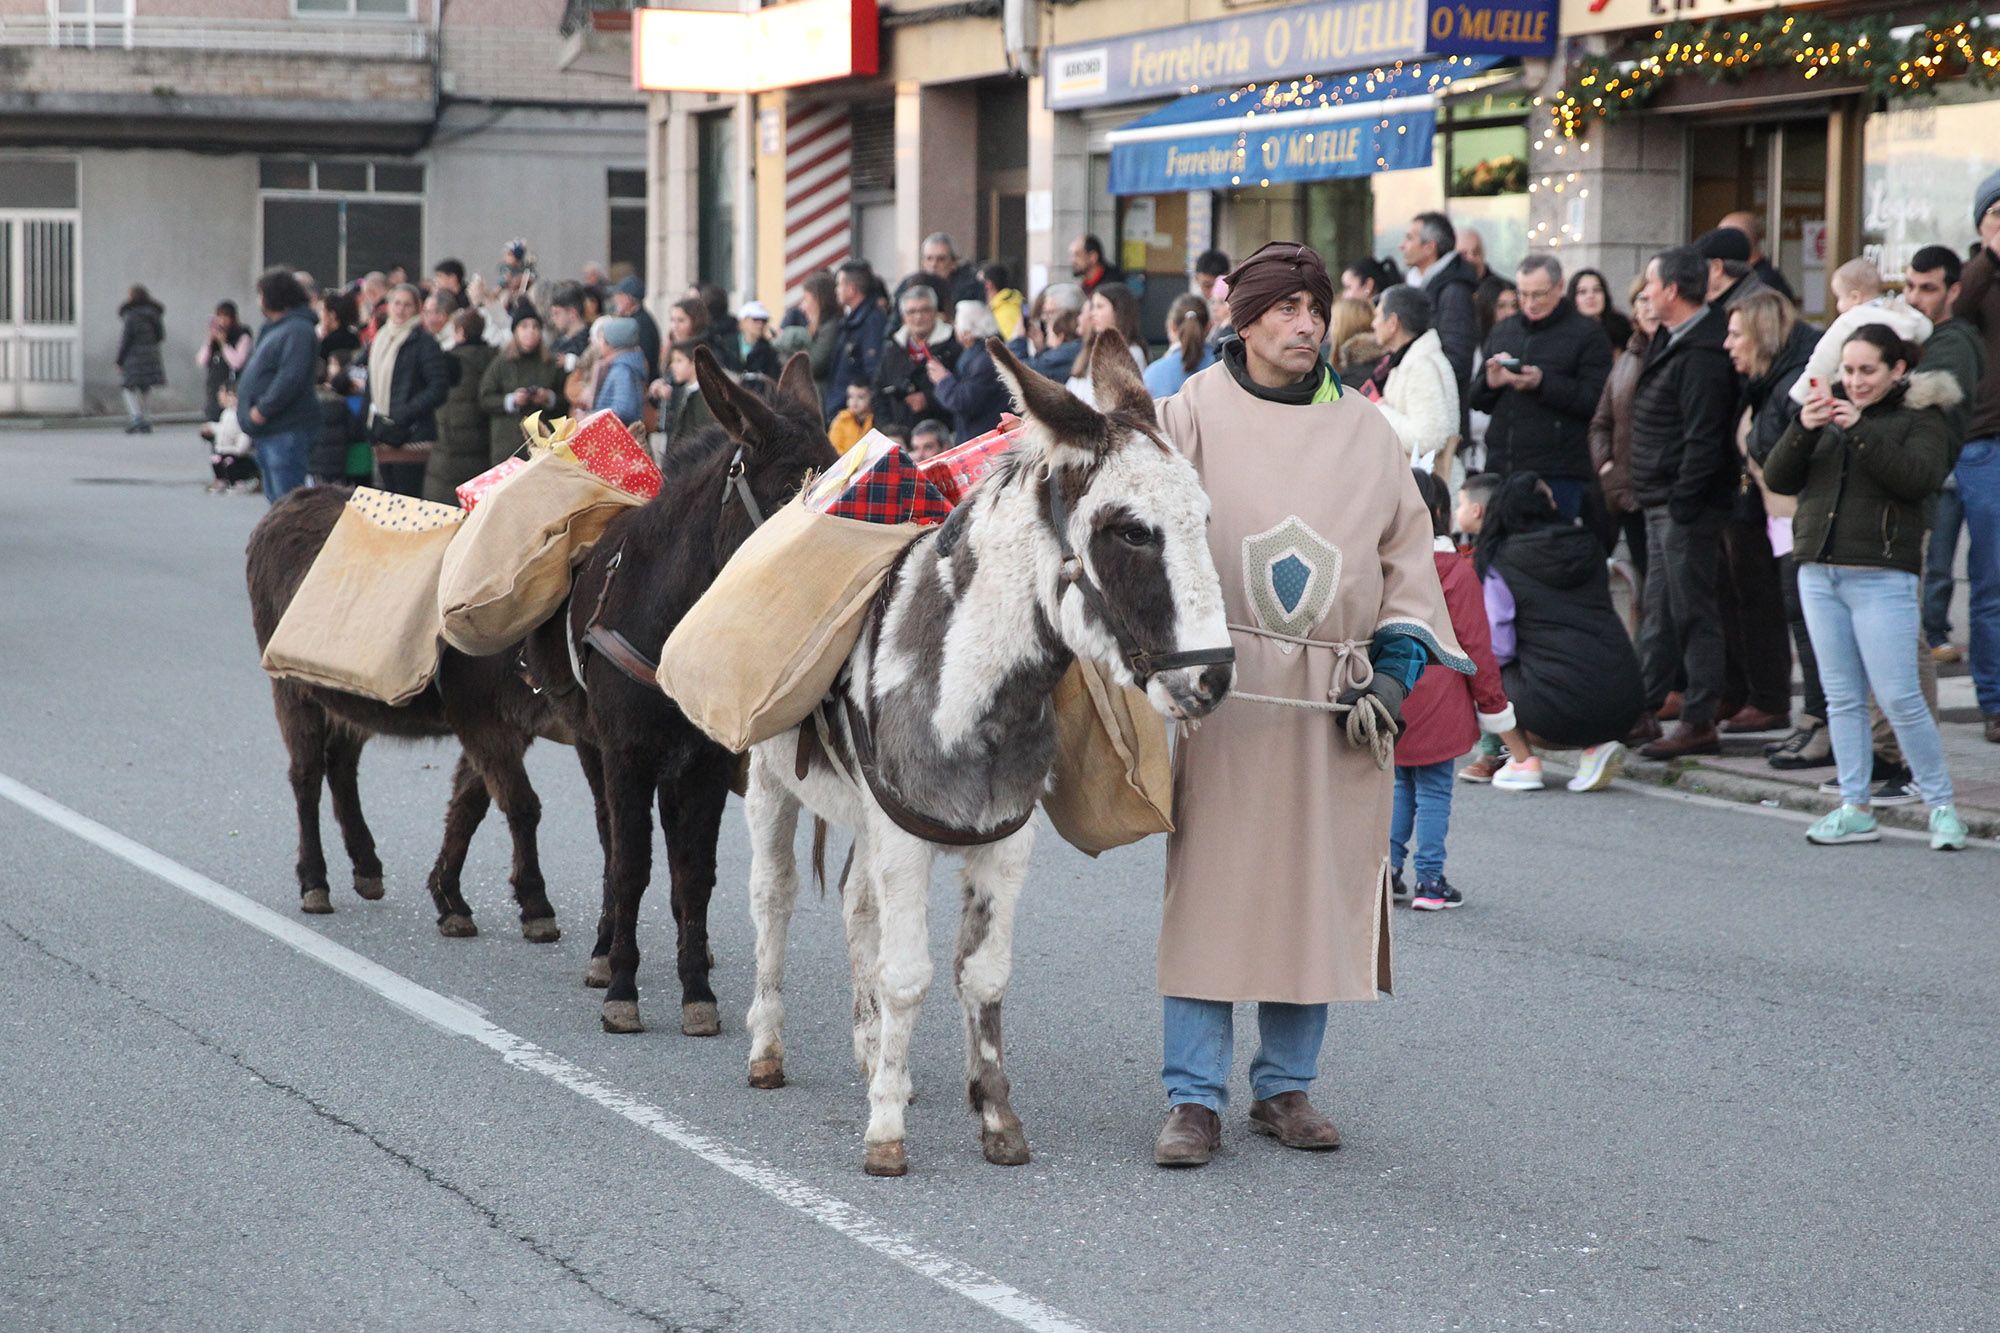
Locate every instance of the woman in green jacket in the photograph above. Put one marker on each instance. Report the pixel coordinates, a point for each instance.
(523, 379)
(460, 452)
(1863, 465)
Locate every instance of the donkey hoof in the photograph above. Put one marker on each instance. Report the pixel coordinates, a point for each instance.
(597, 972)
(885, 1159)
(767, 1073)
(1005, 1147)
(457, 927)
(699, 1018)
(369, 887)
(622, 1016)
(542, 930)
(316, 902)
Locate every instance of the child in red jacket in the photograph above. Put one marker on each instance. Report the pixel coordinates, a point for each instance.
(1444, 716)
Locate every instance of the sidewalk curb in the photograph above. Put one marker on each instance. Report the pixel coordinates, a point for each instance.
(1692, 775)
(116, 422)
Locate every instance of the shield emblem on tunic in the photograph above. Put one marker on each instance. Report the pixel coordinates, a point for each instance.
(1290, 575)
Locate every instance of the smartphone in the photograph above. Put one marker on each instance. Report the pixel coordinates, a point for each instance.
(1511, 364)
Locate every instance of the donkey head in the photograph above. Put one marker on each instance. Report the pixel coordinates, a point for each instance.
(1141, 596)
(777, 441)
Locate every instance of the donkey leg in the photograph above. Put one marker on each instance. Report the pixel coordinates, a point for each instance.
(343, 779)
(506, 780)
(691, 817)
(629, 783)
(903, 871)
(774, 885)
(469, 800)
(304, 728)
(993, 879)
(597, 973)
(861, 912)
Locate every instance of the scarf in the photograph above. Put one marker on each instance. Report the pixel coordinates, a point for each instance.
(382, 364)
(1318, 385)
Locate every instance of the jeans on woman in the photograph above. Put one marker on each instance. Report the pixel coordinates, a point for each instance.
(282, 458)
(1201, 1042)
(1864, 625)
(1423, 807)
(135, 405)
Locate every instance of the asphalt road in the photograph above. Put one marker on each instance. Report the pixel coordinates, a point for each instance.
(1670, 1067)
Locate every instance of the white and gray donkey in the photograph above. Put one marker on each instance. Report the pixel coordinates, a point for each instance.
(1089, 540)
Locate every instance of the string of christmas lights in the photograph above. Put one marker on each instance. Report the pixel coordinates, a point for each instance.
(1949, 44)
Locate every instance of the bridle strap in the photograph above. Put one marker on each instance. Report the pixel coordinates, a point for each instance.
(1144, 665)
(735, 481)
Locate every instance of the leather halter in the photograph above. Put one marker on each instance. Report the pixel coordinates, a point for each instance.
(1144, 665)
(614, 647)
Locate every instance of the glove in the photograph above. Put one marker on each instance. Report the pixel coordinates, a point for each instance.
(1375, 717)
(387, 431)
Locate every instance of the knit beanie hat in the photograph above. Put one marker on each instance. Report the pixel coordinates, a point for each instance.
(620, 331)
(1987, 196)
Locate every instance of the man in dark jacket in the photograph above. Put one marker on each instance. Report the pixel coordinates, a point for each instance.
(1767, 273)
(1430, 249)
(904, 393)
(275, 399)
(1730, 277)
(863, 329)
(1978, 471)
(1545, 370)
(952, 280)
(1684, 475)
(628, 299)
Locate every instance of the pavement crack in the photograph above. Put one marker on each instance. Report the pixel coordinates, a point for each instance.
(486, 1213)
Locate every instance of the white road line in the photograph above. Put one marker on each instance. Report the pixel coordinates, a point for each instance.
(962, 1279)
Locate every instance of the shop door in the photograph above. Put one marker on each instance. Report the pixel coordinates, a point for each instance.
(1778, 171)
(41, 345)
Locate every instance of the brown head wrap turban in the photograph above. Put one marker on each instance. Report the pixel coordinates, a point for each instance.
(1273, 273)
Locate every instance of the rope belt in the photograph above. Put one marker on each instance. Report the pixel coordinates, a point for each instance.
(1367, 721)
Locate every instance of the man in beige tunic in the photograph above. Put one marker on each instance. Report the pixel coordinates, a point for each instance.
(1277, 873)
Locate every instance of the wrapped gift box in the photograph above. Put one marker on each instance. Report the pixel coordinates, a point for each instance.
(891, 491)
(603, 444)
(831, 484)
(957, 470)
(472, 492)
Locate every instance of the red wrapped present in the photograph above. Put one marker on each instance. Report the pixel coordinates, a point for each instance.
(472, 492)
(890, 491)
(603, 444)
(956, 471)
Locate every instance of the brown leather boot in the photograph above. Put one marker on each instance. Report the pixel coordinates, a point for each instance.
(1291, 1120)
(1644, 732)
(1687, 738)
(1189, 1138)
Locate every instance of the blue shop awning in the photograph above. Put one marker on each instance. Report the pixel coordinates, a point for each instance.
(1314, 128)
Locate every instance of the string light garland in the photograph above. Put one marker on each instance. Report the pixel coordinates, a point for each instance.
(1949, 44)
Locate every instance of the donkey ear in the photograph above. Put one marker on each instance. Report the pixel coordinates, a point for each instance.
(1066, 417)
(743, 414)
(1114, 378)
(796, 384)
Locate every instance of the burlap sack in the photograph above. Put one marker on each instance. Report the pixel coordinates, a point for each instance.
(762, 646)
(1114, 783)
(509, 568)
(365, 618)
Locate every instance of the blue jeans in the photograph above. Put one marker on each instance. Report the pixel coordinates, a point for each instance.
(1979, 495)
(1201, 1042)
(1423, 806)
(1568, 493)
(282, 458)
(1940, 558)
(1863, 623)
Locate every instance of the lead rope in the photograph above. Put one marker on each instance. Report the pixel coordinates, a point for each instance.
(1366, 722)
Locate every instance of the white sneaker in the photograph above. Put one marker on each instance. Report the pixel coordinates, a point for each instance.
(1598, 766)
(1519, 775)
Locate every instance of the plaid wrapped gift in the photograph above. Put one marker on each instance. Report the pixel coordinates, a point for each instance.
(472, 492)
(890, 491)
(831, 484)
(603, 444)
(956, 471)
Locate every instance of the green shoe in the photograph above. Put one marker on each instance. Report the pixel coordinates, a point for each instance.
(1850, 823)
(1947, 830)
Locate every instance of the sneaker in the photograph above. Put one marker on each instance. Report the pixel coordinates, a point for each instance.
(1399, 888)
(1808, 747)
(1948, 831)
(1847, 824)
(1519, 775)
(1482, 768)
(1945, 654)
(1890, 785)
(1436, 895)
(1598, 766)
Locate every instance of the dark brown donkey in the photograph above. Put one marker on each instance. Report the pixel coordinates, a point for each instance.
(480, 700)
(637, 747)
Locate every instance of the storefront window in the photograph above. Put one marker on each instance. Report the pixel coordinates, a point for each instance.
(1920, 171)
